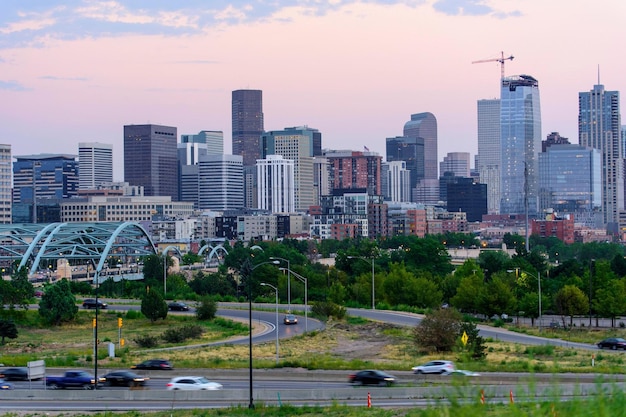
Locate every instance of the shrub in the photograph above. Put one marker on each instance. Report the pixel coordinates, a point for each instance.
(328, 309)
(180, 334)
(133, 314)
(206, 309)
(147, 341)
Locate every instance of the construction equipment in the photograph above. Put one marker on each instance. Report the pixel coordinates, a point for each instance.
(500, 60)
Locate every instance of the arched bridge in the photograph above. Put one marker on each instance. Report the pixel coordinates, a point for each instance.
(91, 243)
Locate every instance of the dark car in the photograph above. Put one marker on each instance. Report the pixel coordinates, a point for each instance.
(290, 319)
(91, 303)
(124, 379)
(5, 385)
(155, 364)
(372, 377)
(14, 374)
(613, 343)
(178, 306)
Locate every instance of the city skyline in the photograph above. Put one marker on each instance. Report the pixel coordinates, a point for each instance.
(86, 65)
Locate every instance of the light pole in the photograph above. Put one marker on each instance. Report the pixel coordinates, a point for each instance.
(95, 332)
(288, 280)
(251, 269)
(517, 270)
(306, 298)
(373, 282)
(276, 290)
(164, 275)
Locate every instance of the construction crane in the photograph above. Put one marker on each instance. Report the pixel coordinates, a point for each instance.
(500, 60)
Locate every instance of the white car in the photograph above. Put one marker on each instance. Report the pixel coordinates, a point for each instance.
(192, 383)
(435, 367)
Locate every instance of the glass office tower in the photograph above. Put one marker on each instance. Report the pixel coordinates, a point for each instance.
(520, 144)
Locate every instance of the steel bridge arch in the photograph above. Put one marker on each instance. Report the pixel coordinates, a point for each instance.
(91, 241)
(214, 250)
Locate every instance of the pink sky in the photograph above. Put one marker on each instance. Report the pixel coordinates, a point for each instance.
(356, 72)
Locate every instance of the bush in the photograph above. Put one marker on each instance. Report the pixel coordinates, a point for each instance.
(328, 309)
(180, 334)
(147, 341)
(206, 309)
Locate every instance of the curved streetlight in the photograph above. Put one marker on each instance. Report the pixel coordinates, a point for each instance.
(306, 298)
(252, 268)
(276, 290)
(517, 271)
(288, 280)
(373, 286)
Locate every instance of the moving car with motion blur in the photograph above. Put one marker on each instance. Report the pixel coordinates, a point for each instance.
(124, 379)
(178, 306)
(91, 303)
(612, 343)
(372, 377)
(154, 364)
(290, 319)
(5, 385)
(14, 374)
(192, 383)
(435, 367)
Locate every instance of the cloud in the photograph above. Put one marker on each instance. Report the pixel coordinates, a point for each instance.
(55, 78)
(12, 85)
(470, 8)
(115, 12)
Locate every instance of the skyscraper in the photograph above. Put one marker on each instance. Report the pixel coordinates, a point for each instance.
(276, 191)
(95, 164)
(424, 125)
(150, 159)
(520, 144)
(213, 139)
(398, 182)
(489, 155)
(457, 163)
(220, 182)
(296, 144)
(5, 183)
(355, 170)
(409, 150)
(599, 127)
(247, 119)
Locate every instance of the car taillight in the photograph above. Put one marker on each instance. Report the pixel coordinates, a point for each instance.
(169, 384)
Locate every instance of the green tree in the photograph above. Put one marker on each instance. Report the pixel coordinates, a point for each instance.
(496, 298)
(58, 304)
(337, 293)
(7, 329)
(153, 306)
(475, 343)
(569, 301)
(469, 294)
(206, 309)
(22, 289)
(610, 301)
(438, 331)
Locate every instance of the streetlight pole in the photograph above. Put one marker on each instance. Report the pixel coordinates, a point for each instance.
(306, 299)
(251, 269)
(95, 332)
(288, 280)
(276, 290)
(373, 281)
(164, 275)
(517, 270)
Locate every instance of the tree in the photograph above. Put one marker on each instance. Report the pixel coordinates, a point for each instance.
(206, 309)
(475, 343)
(7, 329)
(153, 306)
(58, 304)
(439, 330)
(337, 293)
(610, 301)
(468, 294)
(496, 298)
(569, 301)
(22, 289)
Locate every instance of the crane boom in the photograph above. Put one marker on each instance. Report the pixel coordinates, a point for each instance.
(500, 60)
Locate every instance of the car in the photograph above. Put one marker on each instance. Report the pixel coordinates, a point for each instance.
(14, 374)
(156, 364)
(612, 343)
(435, 367)
(91, 303)
(463, 372)
(192, 383)
(372, 377)
(290, 319)
(124, 379)
(5, 385)
(38, 293)
(178, 306)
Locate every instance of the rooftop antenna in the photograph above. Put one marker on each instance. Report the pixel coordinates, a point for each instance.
(598, 74)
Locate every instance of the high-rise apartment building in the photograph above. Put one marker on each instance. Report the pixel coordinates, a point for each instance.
(220, 182)
(409, 150)
(44, 176)
(520, 131)
(276, 190)
(95, 164)
(489, 156)
(247, 124)
(398, 182)
(5, 183)
(296, 144)
(424, 125)
(150, 159)
(599, 127)
(355, 170)
(570, 182)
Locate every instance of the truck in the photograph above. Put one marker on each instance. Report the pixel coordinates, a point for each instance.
(71, 379)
